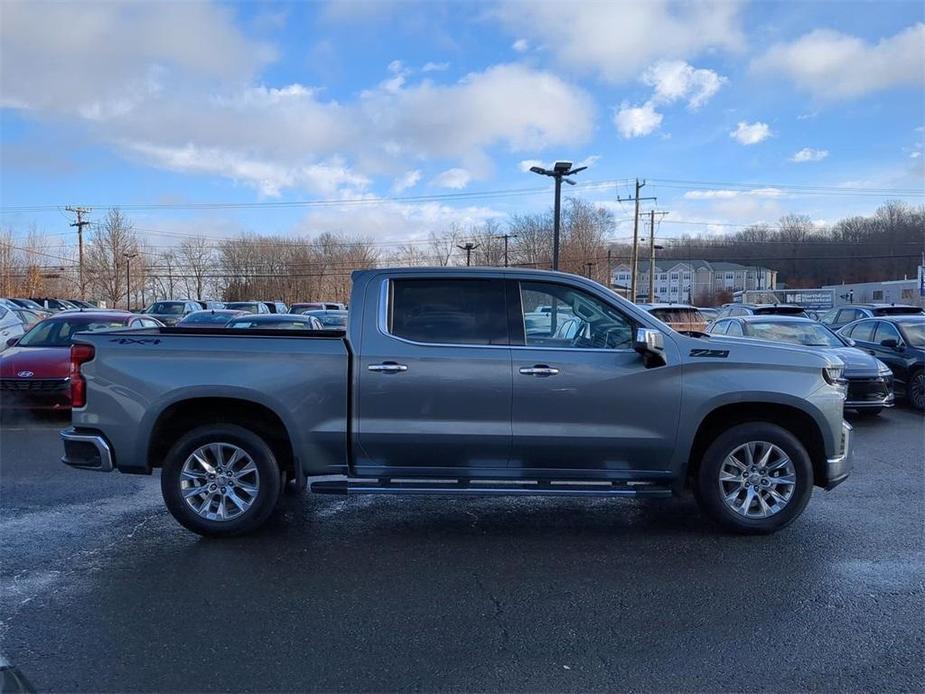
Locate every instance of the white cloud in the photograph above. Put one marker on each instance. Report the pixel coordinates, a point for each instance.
(809, 154)
(327, 178)
(750, 133)
(457, 179)
(103, 58)
(832, 65)
(521, 45)
(617, 40)
(636, 121)
(676, 79)
(408, 180)
(721, 194)
(435, 67)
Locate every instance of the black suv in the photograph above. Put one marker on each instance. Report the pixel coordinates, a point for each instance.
(839, 317)
(899, 341)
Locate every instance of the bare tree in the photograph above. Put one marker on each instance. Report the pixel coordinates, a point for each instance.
(105, 259)
(197, 257)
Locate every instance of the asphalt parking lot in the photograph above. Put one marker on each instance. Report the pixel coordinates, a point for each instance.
(103, 591)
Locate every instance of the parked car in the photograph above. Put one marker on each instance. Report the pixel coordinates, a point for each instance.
(53, 305)
(437, 388)
(208, 304)
(248, 306)
(11, 326)
(28, 318)
(678, 316)
(737, 309)
(276, 321)
(213, 317)
(35, 370)
(869, 380)
(80, 303)
(330, 320)
(899, 342)
(708, 313)
(29, 304)
(838, 318)
(317, 306)
(169, 312)
(276, 306)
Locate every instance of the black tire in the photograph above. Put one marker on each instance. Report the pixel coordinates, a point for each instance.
(870, 412)
(916, 390)
(267, 490)
(710, 496)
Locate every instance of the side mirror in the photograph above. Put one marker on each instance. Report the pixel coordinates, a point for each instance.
(651, 345)
(890, 343)
(12, 341)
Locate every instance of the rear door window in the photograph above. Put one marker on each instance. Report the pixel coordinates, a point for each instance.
(863, 331)
(449, 311)
(735, 330)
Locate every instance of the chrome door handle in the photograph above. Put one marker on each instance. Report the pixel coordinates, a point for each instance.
(388, 367)
(539, 371)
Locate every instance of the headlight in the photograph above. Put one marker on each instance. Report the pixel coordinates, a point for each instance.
(883, 369)
(833, 375)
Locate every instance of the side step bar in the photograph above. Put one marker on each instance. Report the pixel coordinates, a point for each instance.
(488, 487)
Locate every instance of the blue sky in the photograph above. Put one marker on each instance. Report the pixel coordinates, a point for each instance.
(425, 110)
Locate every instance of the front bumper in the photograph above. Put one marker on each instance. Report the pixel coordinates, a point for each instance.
(839, 467)
(864, 393)
(35, 393)
(86, 450)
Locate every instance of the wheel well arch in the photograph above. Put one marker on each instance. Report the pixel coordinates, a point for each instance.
(184, 415)
(798, 422)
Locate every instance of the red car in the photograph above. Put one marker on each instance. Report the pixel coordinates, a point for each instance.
(35, 370)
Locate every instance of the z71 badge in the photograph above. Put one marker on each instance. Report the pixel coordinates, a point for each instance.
(717, 353)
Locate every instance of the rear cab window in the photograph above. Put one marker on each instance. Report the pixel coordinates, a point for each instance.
(449, 311)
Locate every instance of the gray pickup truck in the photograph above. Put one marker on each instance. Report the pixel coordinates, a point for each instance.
(461, 381)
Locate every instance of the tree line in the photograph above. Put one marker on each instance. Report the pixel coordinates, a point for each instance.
(121, 266)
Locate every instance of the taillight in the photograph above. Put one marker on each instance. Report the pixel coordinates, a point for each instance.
(80, 354)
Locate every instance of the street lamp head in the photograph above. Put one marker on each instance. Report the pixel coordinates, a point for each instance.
(539, 170)
(569, 181)
(562, 167)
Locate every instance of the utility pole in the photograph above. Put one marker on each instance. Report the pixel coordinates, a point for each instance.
(652, 248)
(468, 247)
(128, 285)
(80, 224)
(635, 261)
(506, 237)
(589, 266)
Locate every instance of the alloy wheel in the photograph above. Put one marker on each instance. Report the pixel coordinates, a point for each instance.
(219, 481)
(757, 479)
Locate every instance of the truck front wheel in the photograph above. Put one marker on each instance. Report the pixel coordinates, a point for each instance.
(754, 479)
(220, 480)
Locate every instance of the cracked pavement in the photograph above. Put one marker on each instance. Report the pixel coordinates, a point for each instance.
(101, 591)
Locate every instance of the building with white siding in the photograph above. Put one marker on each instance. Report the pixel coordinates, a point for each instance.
(693, 281)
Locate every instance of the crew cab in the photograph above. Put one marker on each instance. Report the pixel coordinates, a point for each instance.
(436, 387)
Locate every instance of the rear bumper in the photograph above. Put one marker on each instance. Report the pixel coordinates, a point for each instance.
(86, 450)
(839, 467)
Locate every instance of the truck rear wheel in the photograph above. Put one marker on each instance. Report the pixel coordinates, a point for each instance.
(754, 479)
(220, 480)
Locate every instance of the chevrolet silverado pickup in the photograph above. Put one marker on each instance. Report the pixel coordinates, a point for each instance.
(439, 385)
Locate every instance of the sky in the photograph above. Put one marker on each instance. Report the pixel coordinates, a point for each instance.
(387, 120)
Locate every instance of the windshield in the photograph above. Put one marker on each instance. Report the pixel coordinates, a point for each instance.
(242, 306)
(206, 317)
(808, 334)
(291, 324)
(58, 333)
(915, 334)
(168, 308)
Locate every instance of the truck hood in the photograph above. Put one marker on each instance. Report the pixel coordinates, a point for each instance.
(43, 362)
(747, 350)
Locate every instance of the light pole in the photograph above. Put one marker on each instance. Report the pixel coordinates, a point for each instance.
(468, 248)
(128, 285)
(560, 171)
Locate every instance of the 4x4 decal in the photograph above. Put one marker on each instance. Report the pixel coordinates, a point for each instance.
(718, 353)
(136, 340)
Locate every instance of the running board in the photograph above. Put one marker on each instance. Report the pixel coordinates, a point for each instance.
(489, 487)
